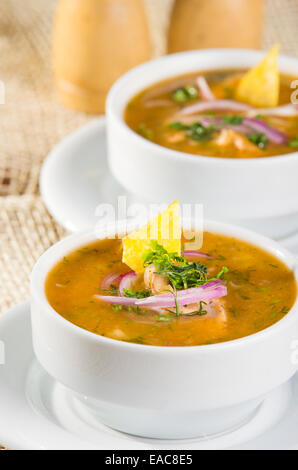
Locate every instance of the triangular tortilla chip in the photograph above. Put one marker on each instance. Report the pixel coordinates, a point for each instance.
(164, 228)
(260, 85)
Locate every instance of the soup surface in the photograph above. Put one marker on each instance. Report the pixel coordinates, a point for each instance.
(157, 114)
(260, 291)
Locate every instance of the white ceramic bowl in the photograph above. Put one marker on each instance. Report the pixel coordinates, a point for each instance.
(260, 193)
(163, 392)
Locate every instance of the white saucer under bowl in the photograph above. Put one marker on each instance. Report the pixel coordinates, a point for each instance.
(75, 179)
(38, 413)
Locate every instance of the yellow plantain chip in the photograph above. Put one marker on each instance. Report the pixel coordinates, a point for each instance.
(164, 228)
(260, 85)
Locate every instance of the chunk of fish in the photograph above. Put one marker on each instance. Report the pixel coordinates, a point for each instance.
(215, 309)
(160, 284)
(176, 137)
(229, 138)
(156, 282)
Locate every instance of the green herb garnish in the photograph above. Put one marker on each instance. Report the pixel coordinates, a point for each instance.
(136, 309)
(195, 131)
(180, 95)
(201, 310)
(233, 120)
(221, 273)
(117, 307)
(144, 131)
(163, 317)
(293, 143)
(192, 91)
(184, 94)
(260, 140)
(178, 126)
(113, 290)
(181, 273)
(138, 294)
(199, 132)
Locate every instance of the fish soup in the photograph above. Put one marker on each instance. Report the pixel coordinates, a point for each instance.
(200, 114)
(230, 290)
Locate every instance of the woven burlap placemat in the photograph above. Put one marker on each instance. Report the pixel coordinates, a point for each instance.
(31, 122)
(26, 231)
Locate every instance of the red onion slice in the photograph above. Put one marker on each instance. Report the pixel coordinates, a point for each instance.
(197, 254)
(109, 280)
(113, 299)
(126, 281)
(208, 291)
(286, 110)
(272, 134)
(217, 105)
(245, 127)
(216, 122)
(205, 90)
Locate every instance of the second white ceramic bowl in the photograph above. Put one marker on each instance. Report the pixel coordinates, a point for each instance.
(260, 193)
(162, 392)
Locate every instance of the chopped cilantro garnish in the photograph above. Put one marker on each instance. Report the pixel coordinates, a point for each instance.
(234, 120)
(260, 140)
(293, 143)
(222, 272)
(201, 310)
(178, 126)
(284, 310)
(180, 95)
(116, 308)
(163, 317)
(145, 131)
(181, 273)
(111, 291)
(198, 132)
(195, 131)
(138, 294)
(136, 309)
(184, 94)
(192, 91)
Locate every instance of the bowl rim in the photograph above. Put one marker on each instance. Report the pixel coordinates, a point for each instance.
(41, 270)
(111, 102)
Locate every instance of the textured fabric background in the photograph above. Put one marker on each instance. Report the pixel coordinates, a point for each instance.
(31, 122)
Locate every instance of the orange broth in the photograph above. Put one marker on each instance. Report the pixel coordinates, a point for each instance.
(151, 111)
(261, 291)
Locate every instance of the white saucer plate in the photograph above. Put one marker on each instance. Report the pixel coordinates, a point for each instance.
(38, 413)
(75, 178)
